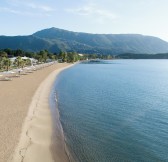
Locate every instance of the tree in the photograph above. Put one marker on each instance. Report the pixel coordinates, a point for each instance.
(61, 55)
(8, 51)
(20, 52)
(18, 62)
(3, 54)
(39, 58)
(71, 57)
(64, 57)
(30, 54)
(1, 62)
(43, 54)
(7, 63)
(52, 56)
(28, 62)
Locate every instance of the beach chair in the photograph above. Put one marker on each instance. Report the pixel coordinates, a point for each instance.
(4, 78)
(29, 71)
(14, 76)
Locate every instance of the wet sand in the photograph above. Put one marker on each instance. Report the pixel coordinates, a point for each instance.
(25, 118)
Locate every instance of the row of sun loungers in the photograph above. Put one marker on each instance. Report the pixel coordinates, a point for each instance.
(4, 78)
(8, 75)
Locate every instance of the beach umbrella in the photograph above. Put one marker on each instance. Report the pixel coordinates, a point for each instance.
(9, 73)
(33, 67)
(28, 70)
(19, 70)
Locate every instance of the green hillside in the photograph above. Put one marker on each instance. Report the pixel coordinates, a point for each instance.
(54, 40)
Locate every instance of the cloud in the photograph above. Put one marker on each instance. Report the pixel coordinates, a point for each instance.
(94, 11)
(9, 10)
(41, 7)
(25, 13)
(30, 5)
(26, 8)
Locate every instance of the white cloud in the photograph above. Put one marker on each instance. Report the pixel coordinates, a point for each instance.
(9, 10)
(94, 11)
(30, 5)
(41, 7)
(26, 8)
(23, 13)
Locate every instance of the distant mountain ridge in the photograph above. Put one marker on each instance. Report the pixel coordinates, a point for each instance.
(54, 40)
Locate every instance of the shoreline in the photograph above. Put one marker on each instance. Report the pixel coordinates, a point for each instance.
(15, 98)
(15, 106)
(57, 126)
(36, 137)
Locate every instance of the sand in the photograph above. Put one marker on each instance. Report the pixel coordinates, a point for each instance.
(25, 118)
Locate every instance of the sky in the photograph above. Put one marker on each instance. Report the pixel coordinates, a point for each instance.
(25, 17)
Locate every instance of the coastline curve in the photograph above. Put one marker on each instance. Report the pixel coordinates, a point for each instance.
(36, 137)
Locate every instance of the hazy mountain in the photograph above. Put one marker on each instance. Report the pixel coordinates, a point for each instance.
(54, 40)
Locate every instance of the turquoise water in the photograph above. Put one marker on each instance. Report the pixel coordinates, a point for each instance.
(115, 111)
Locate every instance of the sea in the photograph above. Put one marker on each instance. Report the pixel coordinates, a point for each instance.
(115, 111)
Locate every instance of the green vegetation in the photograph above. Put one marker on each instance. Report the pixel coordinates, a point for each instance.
(69, 57)
(142, 56)
(5, 62)
(97, 56)
(41, 57)
(56, 40)
(20, 62)
(72, 57)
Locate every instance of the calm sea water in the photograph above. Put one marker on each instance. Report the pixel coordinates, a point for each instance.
(115, 111)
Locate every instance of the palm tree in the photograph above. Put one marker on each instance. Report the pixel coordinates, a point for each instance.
(28, 62)
(3, 55)
(18, 61)
(23, 63)
(39, 58)
(7, 63)
(1, 63)
(65, 57)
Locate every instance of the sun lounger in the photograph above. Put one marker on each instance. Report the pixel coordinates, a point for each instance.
(5, 79)
(29, 71)
(14, 76)
(23, 73)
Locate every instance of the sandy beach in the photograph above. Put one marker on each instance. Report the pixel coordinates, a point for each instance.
(25, 118)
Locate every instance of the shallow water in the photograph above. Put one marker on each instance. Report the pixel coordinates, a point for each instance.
(115, 111)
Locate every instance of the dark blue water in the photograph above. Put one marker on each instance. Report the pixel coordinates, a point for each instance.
(116, 111)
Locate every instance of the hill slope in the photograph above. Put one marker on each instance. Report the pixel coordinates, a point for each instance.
(54, 40)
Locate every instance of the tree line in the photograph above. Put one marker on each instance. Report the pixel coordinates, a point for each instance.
(5, 62)
(7, 54)
(42, 57)
(98, 56)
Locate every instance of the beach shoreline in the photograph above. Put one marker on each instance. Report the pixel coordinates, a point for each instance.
(36, 138)
(27, 128)
(57, 127)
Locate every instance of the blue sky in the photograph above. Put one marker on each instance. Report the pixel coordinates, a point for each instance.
(24, 17)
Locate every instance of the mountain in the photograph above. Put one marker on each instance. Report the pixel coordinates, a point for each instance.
(55, 39)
